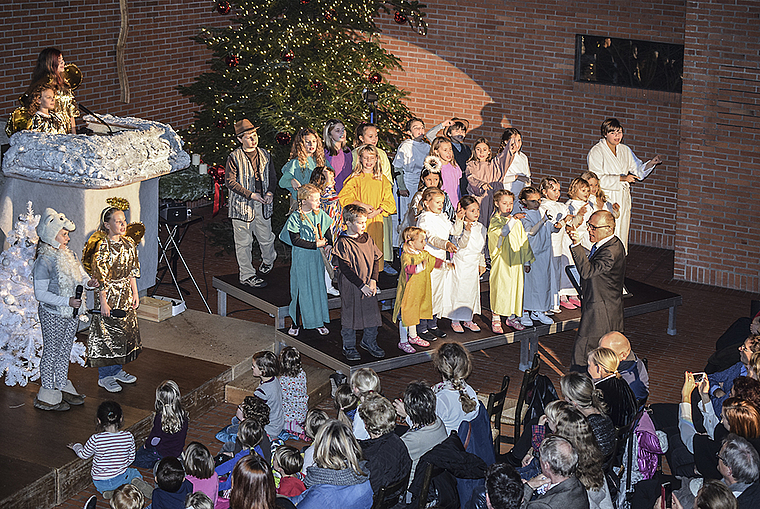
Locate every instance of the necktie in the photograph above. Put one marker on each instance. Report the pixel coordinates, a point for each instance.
(593, 250)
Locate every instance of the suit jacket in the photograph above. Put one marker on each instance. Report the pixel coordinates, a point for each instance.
(566, 495)
(602, 278)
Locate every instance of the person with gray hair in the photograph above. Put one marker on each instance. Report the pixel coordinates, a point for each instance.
(557, 486)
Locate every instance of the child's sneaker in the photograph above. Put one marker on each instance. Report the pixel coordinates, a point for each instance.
(388, 269)
(525, 320)
(416, 340)
(472, 326)
(567, 304)
(541, 317)
(437, 332)
(515, 324)
(457, 327)
(374, 350)
(426, 335)
(352, 354)
(575, 301)
(406, 347)
(145, 488)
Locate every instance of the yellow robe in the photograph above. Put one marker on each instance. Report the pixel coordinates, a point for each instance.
(414, 297)
(376, 193)
(508, 255)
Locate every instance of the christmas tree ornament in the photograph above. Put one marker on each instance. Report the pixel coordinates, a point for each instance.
(221, 124)
(375, 78)
(288, 55)
(232, 60)
(330, 15)
(305, 2)
(317, 86)
(399, 18)
(283, 138)
(223, 7)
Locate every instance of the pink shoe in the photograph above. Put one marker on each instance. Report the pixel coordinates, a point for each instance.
(457, 327)
(496, 327)
(515, 324)
(406, 347)
(416, 340)
(567, 304)
(472, 326)
(574, 301)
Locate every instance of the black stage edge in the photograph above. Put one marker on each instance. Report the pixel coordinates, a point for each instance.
(329, 349)
(39, 471)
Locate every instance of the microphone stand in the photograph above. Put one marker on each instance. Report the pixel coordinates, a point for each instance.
(97, 117)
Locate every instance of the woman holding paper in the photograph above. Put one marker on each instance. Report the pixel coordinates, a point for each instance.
(617, 167)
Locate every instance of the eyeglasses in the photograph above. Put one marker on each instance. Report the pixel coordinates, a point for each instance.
(594, 227)
(720, 458)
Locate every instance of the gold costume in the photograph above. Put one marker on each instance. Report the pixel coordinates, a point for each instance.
(65, 107)
(113, 263)
(50, 124)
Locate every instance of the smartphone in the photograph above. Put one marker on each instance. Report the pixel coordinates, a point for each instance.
(666, 492)
(698, 377)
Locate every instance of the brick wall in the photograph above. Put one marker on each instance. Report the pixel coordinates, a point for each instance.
(159, 54)
(718, 236)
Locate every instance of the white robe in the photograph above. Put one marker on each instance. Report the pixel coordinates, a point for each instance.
(609, 168)
(409, 159)
(537, 291)
(462, 291)
(519, 166)
(556, 211)
(573, 206)
(437, 225)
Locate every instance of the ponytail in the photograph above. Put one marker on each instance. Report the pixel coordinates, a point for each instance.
(468, 404)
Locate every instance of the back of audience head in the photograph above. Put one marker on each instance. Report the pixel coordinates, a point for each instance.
(750, 346)
(127, 496)
(454, 364)
(419, 403)
(747, 388)
(198, 461)
(314, 419)
(198, 500)
(250, 432)
(504, 488)
(336, 448)
(170, 474)
(252, 484)
(753, 368)
(378, 415)
(345, 401)
(267, 362)
(290, 362)
(715, 495)
(287, 460)
(255, 409)
(558, 454)
(740, 458)
(603, 362)
(169, 405)
(109, 414)
(579, 390)
(741, 418)
(616, 342)
(364, 381)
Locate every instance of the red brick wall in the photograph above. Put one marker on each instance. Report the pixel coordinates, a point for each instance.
(159, 55)
(718, 235)
(492, 61)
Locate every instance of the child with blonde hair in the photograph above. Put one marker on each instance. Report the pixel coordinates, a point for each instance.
(429, 177)
(307, 230)
(306, 153)
(364, 381)
(167, 437)
(410, 156)
(510, 256)
(581, 208)
(414, 301)
(367, 188)
(127, 496)
(597, 196)
(338, 151)
(456, 401)
(266, 367)
(451, 173)
(295, 396)
(537, 292)
(315, 418)
(484, 178)
(558, 213)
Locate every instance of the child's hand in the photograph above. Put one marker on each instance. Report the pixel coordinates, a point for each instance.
(403, 193)
(105, 309)
(481, 270)
(373, 286)
(616, 207)
(74, 302)
(583, 210)
(71, 445)
(367, 291)
(135, 301)
(460, 212)
(295, 184)
(450, 265)
(519, 215)
(93, 283)
(487, 187)
(468, 226)
(451, 248)
(374, 213)
(321, 242)
(526, 267)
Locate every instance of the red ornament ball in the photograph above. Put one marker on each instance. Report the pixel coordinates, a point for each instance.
(318, 86)
(221, 124)
(399, 18)
(305, 2)
(330, 15)
(283, 138)
(288, 56)
(223, 7)
(232, 60)
(375, 78)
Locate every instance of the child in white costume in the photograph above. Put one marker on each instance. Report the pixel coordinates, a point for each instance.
(408, 162)
(598, 198)
(617, 167)
(512, 162)
(463, 287)
(537, 291)
(56, 274)
(556, 212)
(581, 208)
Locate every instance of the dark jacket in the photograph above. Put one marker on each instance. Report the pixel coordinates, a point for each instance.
(602, 278)
(387, 458)
(477, 438)
(750, 498)
(450, 461)
(621, 403)
(567, 494)
(166, 500)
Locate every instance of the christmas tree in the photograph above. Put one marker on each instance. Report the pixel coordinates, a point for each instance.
(289, 64)
(20, 335)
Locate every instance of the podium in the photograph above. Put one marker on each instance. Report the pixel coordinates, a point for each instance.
(75, 174)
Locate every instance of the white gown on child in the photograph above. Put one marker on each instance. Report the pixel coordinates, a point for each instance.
(410, 158)
(555, 211)
(436, 225)
(462, 291)
(610, 167)
(573, 206)
(520, 167)
(537, 294)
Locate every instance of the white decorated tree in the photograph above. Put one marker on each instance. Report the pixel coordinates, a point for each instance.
(20, 335)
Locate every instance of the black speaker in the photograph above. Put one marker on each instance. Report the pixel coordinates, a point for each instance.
(174, 212)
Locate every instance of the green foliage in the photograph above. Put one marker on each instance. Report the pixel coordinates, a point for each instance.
(185, 185)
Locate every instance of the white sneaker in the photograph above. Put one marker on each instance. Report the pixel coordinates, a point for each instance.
(525, 320)
(124, 377)
(332, 291)
(541, 317)
(110, 384)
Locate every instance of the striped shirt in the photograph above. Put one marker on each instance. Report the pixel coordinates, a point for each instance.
(113, 453)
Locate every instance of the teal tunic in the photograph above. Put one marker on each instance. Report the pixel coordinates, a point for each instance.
(294, 170)
(307, 270)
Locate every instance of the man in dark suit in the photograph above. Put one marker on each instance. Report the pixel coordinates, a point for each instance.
(558, 461)
(602, 272)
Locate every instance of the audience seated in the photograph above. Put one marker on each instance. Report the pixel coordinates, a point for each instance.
(722, 381)
(631, 368)
(616, 394)
(557, 487)
(253, 486)
(726, 354)
(579, 391)
(503, 489)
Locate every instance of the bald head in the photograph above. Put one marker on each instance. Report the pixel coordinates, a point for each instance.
(604, 217)
(616, 342)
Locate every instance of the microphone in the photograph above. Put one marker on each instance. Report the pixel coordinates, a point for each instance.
(116, 313)
(87, 110)
(78, 295)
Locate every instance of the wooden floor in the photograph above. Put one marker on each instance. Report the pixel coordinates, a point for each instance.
(36, 467)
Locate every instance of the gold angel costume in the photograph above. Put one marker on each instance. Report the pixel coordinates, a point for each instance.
(113, 263)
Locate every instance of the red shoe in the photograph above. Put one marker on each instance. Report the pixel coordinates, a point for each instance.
(416, 340)
(567, 304)
(515, 324)
(575, 301)
(472, 326)
(496, 327)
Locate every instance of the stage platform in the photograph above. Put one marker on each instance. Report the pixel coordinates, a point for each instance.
(275, 297)
(644, 298)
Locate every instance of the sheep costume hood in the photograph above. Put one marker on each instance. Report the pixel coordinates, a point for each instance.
(51, 223)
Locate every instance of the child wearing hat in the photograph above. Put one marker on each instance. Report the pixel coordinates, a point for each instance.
(251, 179)
(56, 274)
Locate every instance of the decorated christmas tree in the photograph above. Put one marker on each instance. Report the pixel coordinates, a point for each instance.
(289, 64)
(20, 335)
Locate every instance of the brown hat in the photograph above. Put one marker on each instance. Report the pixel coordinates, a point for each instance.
(243, 126)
